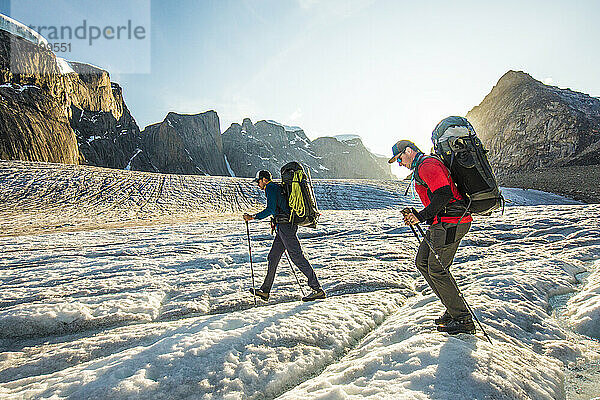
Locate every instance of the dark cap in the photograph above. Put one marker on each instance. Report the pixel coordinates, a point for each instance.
(262, 174)
(399, 148)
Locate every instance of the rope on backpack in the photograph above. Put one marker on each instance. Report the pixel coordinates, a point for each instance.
(296, 199)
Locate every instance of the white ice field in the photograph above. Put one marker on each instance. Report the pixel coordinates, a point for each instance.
(125, 285)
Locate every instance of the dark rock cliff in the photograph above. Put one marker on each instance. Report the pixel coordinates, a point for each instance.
(186, 144)
(107, 134)
(266, 145)
(58, 111)
(34, 125)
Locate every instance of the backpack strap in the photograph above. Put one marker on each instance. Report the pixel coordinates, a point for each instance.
(418, 161)
(416, 164)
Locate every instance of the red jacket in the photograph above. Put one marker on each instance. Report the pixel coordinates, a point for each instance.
(436, 176)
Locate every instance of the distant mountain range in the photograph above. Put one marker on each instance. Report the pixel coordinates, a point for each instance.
(69, 112)
(269, 145)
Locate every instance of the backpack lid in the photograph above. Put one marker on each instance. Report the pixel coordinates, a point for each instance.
(292, 166)
(453, 132)
(450, 127)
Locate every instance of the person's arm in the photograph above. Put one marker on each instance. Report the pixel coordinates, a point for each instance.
(436, 178)
(271, 194)
(439, 199)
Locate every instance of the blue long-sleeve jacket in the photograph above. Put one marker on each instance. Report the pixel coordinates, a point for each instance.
(277, 204)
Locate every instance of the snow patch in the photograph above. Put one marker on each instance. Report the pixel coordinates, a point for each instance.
(231, 173)
(128, 167)
(345, 138)
(18, 88)
(92, 138)
(65, 316)
(285, 127)
(532, 197)
(91, 66)
(17, 28)
(583, 309)
(63, 66)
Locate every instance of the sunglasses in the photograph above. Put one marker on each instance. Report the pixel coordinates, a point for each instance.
(399, 159)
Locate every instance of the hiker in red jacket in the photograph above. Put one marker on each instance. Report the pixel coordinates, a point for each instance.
(445, 212)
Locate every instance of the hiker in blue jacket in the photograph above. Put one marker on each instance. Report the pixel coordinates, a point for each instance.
(286, 238)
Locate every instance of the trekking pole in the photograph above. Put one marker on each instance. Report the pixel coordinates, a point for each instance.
(412, 228)
(447, 270)
(294, 272)
(295, 276)
(251, 267)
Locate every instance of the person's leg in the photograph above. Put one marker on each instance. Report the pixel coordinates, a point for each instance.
(422, 262)
(445, 239)
(292, 245)
(273, 258)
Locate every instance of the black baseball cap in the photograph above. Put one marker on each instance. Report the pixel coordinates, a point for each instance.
(399, 148)
(262, 174)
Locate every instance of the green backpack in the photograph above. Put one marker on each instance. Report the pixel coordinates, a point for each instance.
(297, 187)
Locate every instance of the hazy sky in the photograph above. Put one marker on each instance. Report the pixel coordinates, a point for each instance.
(384, 70)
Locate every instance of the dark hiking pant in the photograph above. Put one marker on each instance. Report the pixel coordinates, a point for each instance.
(286, 239)
(445, 239)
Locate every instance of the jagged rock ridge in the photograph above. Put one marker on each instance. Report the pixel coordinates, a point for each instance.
(347, 157)
(34, 125)
(107, 134)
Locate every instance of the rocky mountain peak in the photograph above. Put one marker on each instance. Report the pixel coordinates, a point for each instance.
(186, 144)
(526, 124)
(515, 78)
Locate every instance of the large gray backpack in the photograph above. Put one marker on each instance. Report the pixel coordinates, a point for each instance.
(455, 142)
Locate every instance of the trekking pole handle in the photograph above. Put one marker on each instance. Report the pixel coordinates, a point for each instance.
(406, 211)
(412, 213)
(409, 210)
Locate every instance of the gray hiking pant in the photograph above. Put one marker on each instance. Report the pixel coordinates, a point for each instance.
(286, 239)
(445, 239)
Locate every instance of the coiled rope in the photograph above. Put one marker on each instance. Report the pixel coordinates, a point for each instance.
(296, 199)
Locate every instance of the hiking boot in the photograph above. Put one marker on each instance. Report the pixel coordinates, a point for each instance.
(444, 319)
(315, 295)
(463, 325)
(259, 293)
